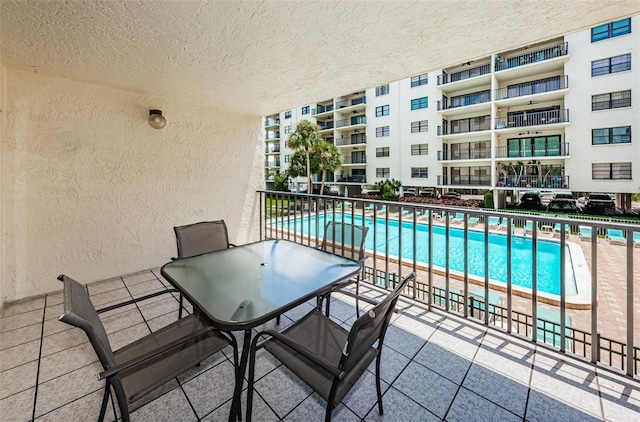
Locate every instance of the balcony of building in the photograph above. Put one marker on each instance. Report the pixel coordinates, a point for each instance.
(533, 182)
(466, 76)
(353, 139)
(353, 122)
(355, 160)
(272, 149)
(462, 126)
(325, 125)
(352, 178)
(533, 148)
(475, 102)
(464, 181)
(356, 103)
(550, 118)
(541, 90)
(322, 110)
(271, 122)
(272, 136)
(466, 151)
(272, 164)
(532, 61)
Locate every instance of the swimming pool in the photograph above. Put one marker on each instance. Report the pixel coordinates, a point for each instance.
(548, 258)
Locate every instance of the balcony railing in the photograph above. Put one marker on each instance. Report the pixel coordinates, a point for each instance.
(352, 179)
(356, 139)
(322, 109)
(351, 102)
(548, 53)
(325, 125)
(473, 154)
(272, 135)
(355, 160)
(447, 248)
(355, 120)
(460, 75)
(535, 118)
(273, 149)
(542, 182)
(465, 125)
(465, 100)
(539, 86)
(533, 150)
(271, 122)
(272, 164)
(464, 180)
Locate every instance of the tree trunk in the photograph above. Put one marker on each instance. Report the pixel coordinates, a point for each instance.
(309, 187)
(324, 177)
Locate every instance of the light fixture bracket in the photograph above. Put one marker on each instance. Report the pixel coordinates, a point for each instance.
(156, 119)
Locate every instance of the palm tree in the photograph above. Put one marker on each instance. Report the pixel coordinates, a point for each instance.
(304, 138)
(329, 159)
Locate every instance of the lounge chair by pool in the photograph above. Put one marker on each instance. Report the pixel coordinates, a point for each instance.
(473, 221)
(494, 222)
(548, 328)
(528, 227)
(616, 236)
(503, 224)
(636, 239)
(459, 218)
(557, 228)
(584, 232)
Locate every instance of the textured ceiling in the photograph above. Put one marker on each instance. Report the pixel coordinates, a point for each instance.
(264, 57)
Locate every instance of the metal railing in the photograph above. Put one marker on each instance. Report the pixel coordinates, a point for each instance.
(465, 100)
(460, 75)
(271, 122)
(533, 150)
(469, 154)
(321, 109)
(552, 182)
(355, 120)
(325, 125)
(352, 179)
(539, 86)
(534, 118)
(561, 321)
(464, 180)
(355, 139)
(351, 102)
(271, 150)
(272, 164)
(542, 54)
(355, 160)
(473, 124)
(272, 135)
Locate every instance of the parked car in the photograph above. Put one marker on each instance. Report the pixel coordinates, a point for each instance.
(563, 195)
(428, 193)
(531, 201)
(451, 195)
(563, 205)
(599, 203)
(410, 192)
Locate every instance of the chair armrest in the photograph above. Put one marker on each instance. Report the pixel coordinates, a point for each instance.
(303, 351)
(129, 302)
(133, 362)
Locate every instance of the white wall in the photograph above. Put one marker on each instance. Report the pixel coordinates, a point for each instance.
(91, 190)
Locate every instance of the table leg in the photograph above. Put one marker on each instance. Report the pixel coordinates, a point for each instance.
(236, 403)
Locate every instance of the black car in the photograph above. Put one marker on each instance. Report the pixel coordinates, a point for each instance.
(563, 205)
(600, 204)
(531, 201)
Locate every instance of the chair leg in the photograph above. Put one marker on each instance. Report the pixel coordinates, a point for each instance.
(378, 389)
(358, 296)
(105, 401)
(122, 405)
(327, 305)
(180, 308)
(278, 320)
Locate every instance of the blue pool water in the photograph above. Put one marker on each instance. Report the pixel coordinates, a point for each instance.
(548, 259)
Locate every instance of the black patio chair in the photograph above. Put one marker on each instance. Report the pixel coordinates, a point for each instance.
(347, 240)
(146, 364)
(325, 355)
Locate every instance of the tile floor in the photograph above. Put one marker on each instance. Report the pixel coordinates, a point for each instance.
(435, 367)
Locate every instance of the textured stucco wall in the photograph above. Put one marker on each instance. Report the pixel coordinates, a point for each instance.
(91, 190)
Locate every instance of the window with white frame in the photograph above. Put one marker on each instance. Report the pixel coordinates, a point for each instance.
(382, 172)
(420, 149)
(287, 129)
(382, 90)
(419, 80)
(382, 131)
(419, 126)
(419, 172)
(382, 152)
(611, 171)
(382, 110)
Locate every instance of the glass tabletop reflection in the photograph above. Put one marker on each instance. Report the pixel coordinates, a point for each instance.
(247, 285)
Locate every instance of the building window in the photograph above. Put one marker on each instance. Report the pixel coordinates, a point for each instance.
(610, 30)
(305, 110)
(382, 152)
(420, 149)
(419, 172)
(382, 131)
(382, 111)
(611, 65)
(611, 135)
(611, 100)
(611, 171)
(287, 158)
(382, 90)
(420, 126)
(419, 80)
(287, 129)
(287, 114)
(382, 172)
(418, 103)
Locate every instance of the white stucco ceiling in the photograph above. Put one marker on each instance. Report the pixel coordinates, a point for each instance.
(264, 57)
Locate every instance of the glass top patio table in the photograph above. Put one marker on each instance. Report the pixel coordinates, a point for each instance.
(242, 287)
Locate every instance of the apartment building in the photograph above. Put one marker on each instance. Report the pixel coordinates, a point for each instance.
(556, 115)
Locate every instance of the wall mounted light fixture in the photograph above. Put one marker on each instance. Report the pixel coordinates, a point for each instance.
(156, 119)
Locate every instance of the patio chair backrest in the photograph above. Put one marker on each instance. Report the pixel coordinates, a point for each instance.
(370, 327)
(344, 239)
(200, 238)
(80, 312)
(615, 232)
